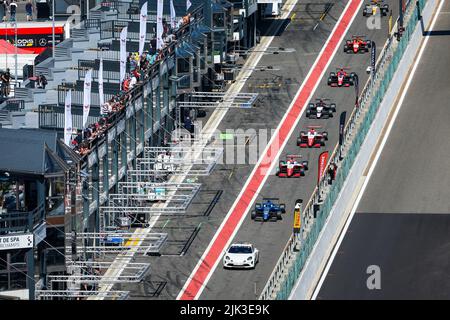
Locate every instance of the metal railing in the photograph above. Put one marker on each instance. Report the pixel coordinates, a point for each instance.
(297, 250)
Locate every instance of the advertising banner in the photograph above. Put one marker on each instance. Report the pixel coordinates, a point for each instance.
(323, 160)
(123, 54)
(87, 96)
(68, 118)
(142, 28)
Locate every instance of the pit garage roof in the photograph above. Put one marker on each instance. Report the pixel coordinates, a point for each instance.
(32, 151)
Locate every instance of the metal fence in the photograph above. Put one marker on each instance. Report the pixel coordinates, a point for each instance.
(299, 247)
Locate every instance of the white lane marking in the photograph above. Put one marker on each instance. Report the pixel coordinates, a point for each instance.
(211, 272)
(373, 165)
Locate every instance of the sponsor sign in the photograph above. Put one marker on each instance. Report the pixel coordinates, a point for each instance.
(341, 127)
(373, 55)
(297, 220)
(323, 160)
(21, 241)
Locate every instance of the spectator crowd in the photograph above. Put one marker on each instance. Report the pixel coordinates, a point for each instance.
(139, 72)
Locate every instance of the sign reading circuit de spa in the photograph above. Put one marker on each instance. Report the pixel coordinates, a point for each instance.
(21, 241)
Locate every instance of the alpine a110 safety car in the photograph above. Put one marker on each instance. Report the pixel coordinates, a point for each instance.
(320, 110)
(268, 209)
(357, 44)
(312, 138)
(291, 168)
(341, 78)
(375, 7)
(241, 255)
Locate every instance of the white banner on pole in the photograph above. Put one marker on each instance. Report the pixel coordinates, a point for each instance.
(87, 96)
(159, 25)
(142, 28)
(68, 118)
(173, 15)
(101, 96)
(123, 54)
(188, 4)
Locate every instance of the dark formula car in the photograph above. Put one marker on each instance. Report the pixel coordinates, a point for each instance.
(291, 168)
(312, 138)
(375, 7)
(357, 44)
(268, 209)
(341, 78)
(320, 110)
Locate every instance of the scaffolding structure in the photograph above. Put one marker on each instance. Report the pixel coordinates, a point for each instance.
(192, 160)
(216, 100)
(80, 294)
(116, 241)
(178, 193)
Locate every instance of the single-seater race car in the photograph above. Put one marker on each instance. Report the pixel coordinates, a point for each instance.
(312, 138)
(291, 168)
(341, 78)
(375, 6)
(268, 209)
(320, 109)
(357, 44)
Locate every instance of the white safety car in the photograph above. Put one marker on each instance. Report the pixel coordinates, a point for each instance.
(241, 255)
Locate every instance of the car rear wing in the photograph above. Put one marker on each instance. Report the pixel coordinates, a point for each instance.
(294, 156)
(271, 199)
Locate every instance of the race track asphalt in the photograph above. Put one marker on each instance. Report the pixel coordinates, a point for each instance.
(402, 223)
(277, 89)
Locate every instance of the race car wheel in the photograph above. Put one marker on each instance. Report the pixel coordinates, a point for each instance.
(298, 201)
(302, 172)
(299, 141)
(253, 215)
(333, 107)
(369, 44)
(364, 13)
(308, 113)
(305, 165)
(345, 49)
(279, 216)
(325, 135)
(283, 208)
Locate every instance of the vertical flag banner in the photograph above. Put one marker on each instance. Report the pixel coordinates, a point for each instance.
(159, 25)
(101, 95)
(373, 56)
(123, 54)
(173, 15)
(188, 4)
(143, 28)
(87, 96)
(68, 118)
(342, 127)
(323, 160)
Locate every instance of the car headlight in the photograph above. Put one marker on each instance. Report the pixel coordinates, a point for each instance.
(249, 258)
(227, 258)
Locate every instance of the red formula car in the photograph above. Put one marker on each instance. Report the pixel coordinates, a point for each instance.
(357, 45)
(291, 168)
(341, 78)
(312, 138)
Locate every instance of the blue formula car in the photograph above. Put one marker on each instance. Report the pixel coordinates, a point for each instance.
(268, 209)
